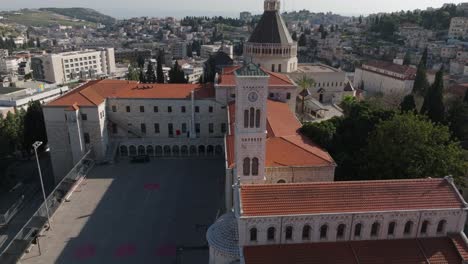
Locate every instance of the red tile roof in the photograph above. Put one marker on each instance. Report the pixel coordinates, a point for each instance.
(408, 72)
(405, 251)
(94, 93)
(227, 78)
(461, 246)
(347, 197)
(285, 146)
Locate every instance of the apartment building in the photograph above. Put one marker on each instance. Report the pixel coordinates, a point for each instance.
(72, 66)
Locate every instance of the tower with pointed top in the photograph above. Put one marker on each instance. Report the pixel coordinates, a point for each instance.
(270, 45)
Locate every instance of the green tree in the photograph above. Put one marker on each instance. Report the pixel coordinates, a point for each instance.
(302, 40)
(133, 74)
(141, 62)
(407, 58)
(305, 83)
(433, 105)
(322, 133)
(159, 69)
(38, 42)
(150, 75)
(176, 74)
(34, 126)
(294, 36)
(142, 77)
(458, 120)
(408, 104)
(410, 146)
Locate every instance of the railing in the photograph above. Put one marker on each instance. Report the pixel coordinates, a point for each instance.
(23, 239)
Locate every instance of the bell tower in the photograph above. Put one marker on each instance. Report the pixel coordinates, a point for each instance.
(250, 124)
(272, 5)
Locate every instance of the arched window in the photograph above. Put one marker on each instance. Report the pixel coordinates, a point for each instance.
(441, 226)
(271, 234)
(306, 232)
(218, 150)
(201, 150)
(158, 151)
(408, 227)
(184, 150)
(175, 151)
(253, 234)
(246, 167)
(167, 150)
(252, 117)
(340, 231)
(150, 150)
(375, 229)
(255, 166)
(424, 226)
(289, 232)
(193, 150)
(323, 231)
(391, 228)
(123, 151)
(357, 230)
(132, 150)
(281, 182)
(141, 150)
(210, 150)
(257, 118)
(246, 118)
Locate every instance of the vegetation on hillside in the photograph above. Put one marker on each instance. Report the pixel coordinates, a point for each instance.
(86, 14)
(36, 18)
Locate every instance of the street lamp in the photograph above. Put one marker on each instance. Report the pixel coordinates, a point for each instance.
(36, 145)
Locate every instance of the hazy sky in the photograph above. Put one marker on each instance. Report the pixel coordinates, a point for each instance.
(129, 8)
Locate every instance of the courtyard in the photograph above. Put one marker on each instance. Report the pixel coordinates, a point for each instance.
(156, 212)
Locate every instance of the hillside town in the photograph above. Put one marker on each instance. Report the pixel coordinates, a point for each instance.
(279, 137)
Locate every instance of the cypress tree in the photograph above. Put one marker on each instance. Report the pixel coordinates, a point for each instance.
(465, 100)
(142, 76)
(294, 36)
(150, 75)
(408, 104)
(407, 59)
(421, 83)
(433, 105)
(159, 70)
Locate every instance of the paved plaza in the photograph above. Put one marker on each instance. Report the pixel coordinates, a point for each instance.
(156, 212)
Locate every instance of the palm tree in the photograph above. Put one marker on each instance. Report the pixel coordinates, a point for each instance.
(305, 83)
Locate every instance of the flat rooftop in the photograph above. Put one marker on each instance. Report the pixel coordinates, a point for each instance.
(317, 68)
(156, 212)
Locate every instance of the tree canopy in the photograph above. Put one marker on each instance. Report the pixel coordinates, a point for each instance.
(410, 146)
(34, 125)
(176, 74)
(371, 143)
(433, 105)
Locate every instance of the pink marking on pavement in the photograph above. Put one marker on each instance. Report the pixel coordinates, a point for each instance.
(152, 186)
(166, 251)
(125, 250)
(85, 252)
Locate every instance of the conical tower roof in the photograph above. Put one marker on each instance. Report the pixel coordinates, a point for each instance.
(271, 28)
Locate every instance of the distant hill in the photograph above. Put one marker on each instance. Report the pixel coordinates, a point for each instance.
(86, 14)
(36, 18)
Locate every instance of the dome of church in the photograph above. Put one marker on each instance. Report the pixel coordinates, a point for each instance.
(223, 235)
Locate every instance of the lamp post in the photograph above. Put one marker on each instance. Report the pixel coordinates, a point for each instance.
(36, 145)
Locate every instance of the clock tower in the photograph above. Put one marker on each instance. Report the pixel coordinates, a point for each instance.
(250, 125)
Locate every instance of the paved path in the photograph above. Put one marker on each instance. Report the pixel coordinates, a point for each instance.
(137, 213)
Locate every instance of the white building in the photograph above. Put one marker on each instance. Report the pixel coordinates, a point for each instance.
(458, 27)
(330, 84)
(9, 65)
(385, 78)
(19, 98)
(71, 66)
(270, 44)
